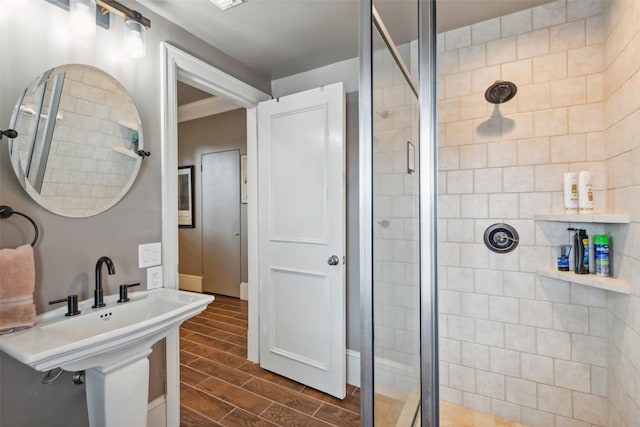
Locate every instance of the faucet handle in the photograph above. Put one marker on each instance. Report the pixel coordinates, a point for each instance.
(123, 292)
(72, 304)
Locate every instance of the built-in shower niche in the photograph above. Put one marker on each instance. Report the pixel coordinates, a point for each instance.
(615, 225)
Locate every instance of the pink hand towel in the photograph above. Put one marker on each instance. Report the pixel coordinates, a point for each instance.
(17, 283)
(17, 314)
(17, 272)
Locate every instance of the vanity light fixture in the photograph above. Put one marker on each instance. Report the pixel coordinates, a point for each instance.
(134, 36)
(135, 26)
(84, 18)
(226, 4)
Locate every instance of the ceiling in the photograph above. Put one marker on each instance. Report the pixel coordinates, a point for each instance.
(188, 94)
(278, 38)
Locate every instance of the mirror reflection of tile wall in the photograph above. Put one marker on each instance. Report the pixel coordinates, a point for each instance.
(91, 152)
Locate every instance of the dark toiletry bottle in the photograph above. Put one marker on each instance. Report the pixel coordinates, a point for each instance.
(581, 251)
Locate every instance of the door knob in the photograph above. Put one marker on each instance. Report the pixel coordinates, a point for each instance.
(333, 260)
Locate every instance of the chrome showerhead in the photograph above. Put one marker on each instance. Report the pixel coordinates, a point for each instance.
(500, 92)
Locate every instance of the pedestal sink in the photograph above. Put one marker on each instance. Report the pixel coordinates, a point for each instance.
(111, 344)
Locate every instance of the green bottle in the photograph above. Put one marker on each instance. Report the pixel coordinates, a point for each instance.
(601, 254)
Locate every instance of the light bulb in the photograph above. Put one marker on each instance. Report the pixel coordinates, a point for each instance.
(82, 17)
(134, 38)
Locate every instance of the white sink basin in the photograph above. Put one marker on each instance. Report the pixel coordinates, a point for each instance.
(100, 337)
(112, 344)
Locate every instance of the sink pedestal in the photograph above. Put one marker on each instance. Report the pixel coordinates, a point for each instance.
(118, 395)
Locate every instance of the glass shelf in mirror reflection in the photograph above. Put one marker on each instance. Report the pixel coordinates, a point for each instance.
(73, 165)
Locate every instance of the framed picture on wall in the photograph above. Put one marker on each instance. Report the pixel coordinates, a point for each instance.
(244, 196)
(185, 197)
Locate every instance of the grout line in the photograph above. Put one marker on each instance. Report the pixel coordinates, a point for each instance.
(201, 414)
(265, 409)
(316, 411)
(186, 338)
(227, 414)
(212, 396)
(340, 407)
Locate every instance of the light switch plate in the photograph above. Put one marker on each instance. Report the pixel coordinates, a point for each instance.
(154, 277)
(149, 254)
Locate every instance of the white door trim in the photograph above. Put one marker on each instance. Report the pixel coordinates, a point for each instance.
(177, 64)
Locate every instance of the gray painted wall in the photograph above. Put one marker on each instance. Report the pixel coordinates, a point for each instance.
(35, 38)
(353, 224)
(226, 131)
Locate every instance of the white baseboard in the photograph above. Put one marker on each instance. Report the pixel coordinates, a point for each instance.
(244, 291)
(353, 367)
(157, 412)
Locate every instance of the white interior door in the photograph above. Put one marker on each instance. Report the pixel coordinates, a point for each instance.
(221, 222)
(301, 200)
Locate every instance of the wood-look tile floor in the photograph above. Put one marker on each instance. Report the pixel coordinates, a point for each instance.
(220, 387)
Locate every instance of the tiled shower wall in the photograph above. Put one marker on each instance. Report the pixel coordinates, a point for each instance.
(395, 246)
(622, 150)
(83, 172)
(520, 346)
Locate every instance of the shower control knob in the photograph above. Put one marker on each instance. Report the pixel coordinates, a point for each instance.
(501, 238)
(333, 260)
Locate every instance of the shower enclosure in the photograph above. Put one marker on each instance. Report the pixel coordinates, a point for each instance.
(521, 99)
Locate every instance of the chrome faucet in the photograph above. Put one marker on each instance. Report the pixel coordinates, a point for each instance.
(97, 293)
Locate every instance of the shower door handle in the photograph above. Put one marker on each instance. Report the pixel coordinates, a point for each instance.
(333, 260)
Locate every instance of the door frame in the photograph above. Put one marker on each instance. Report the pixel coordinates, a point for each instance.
(179, 65)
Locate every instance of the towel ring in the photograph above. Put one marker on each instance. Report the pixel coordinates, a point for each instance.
(6, 212)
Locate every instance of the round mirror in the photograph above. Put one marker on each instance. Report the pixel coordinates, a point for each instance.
(79, 133)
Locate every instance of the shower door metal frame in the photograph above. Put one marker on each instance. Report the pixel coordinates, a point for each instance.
(428, 213)
(427, 102)
(365, 94)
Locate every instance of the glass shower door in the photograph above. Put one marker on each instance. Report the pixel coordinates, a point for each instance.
(396, 269)
(397, 218)
(396, 279)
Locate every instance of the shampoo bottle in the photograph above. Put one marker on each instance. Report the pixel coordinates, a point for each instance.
(570, 192)
(585, 193)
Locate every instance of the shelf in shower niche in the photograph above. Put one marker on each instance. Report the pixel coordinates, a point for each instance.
(606, 283)
(602, 218)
